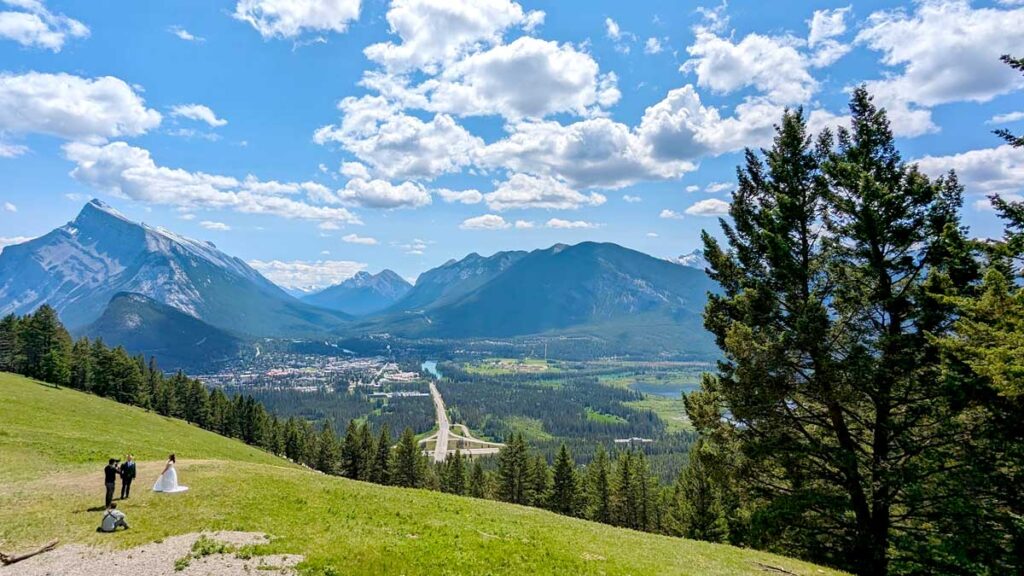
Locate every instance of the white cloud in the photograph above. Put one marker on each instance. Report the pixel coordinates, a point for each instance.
(416, 247)
(357, 239)
(670, 215)
(826, 25)
(595, 152)
(1007, 118)
(719, 187)
(558, 223)
(8, 207)
(485, 222)
(461, 196)
(355, 170)
(985, 171)
(524, 191)
(651, 234)
(442, 31)
(709, 207)
(329, 226)
(524, 224)
(199, 113)
(72, 107)
(131, 172)
(290, 18)
(612, 29)
(944, 51)
(653, 46)
(383, 194)
(772, 65)
(12, 240)
(307, 275)
(693, 188)
(33, 25)
(398, 145)
(527, 78)
(8, 150)
(185, 34)
(211, 225)
(632, 199)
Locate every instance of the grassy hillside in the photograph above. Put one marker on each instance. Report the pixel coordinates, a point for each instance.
(54, 443)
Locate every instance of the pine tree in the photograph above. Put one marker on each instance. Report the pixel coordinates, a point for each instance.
(382, 457)
(352, 452)
(478, 481)
(625, 492)
(513, 471)
(453, 477)
(696, 507)
(1017, 141)
(598, 473)
(830, 379)
(327, 449)
(81, 365)
(409, 468)
(538, 481)
(12, 357)
(366, 452)
(564, 490)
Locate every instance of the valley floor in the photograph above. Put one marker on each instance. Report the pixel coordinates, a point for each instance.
(54, 443)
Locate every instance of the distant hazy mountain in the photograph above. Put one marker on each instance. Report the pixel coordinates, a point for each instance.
(362, 294)
(603, 290)
(694, 259)
(144, 326)
(78, 268)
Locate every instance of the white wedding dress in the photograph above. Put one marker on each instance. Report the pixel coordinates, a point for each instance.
(168, 481)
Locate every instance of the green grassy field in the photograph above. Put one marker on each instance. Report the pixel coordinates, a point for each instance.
(54, 444)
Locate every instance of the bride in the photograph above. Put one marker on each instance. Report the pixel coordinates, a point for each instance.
(168, 480)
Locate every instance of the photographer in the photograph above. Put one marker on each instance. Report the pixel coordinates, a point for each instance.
(110, 478)
(113, 519)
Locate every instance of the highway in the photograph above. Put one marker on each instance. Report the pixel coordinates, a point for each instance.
(443, 426)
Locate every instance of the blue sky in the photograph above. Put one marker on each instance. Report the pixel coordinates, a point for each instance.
(315, 138)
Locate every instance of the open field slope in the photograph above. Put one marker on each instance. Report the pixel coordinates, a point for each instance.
(53, 444)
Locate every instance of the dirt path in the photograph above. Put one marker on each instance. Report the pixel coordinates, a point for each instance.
(157, 559)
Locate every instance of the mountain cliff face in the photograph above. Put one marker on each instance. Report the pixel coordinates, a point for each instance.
(144, 326)
(454, 279)
(80, 266)
(362, 294)
(597, 289)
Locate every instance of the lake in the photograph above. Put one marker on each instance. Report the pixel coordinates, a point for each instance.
(664, 390)
(431, 366)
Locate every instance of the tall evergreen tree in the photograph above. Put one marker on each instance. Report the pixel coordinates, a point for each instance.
(564, 497)
(12, 356)
(696, 509)
(453, 478)
(599, 489)
(829, 385)
(478, 481)
(514, 471)
(352, 452)
(381, 469)
(327, 449)
(409, 467)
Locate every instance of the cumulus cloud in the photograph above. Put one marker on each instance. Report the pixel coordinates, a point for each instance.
(218, 226)
(525, 191)
(357, 239)
(942, 51)
(398, 145)
(72, 107)
(670, 215)
(199, 113)
(130, 172)
(436, 31)
(460, 196)
(985, 171)
(824, 27)
(1006, 118)
(524, 224)
(632, 199)
(485, 222)
(9, 207)
(383, 194)
(8, 150)
(709, 207)
(290, 18)
(307, 275)
(30, 23)
(558, 223)
(718, 187)
(653, 46)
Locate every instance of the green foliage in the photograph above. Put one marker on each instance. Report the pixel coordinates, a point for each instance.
(409, 467)
(565, 496)
(829, 400)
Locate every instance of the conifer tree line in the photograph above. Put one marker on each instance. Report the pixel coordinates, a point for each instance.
(869, 410)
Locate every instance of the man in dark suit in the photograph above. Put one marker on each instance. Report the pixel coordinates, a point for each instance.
(109, 478)
(127, 475)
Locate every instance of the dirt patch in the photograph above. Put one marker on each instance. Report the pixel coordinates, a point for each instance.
(163, 558)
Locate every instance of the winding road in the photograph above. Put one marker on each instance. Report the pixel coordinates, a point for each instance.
(443, 426)
(469, 445)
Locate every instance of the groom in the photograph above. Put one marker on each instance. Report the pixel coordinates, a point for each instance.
(127, 471)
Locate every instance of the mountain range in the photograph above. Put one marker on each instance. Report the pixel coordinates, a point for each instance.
(362, 294)
(155, 291)
(77, 268)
